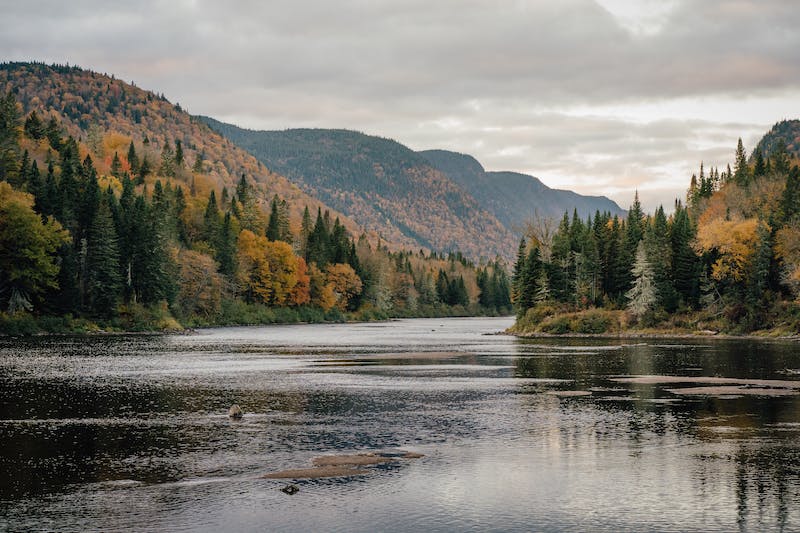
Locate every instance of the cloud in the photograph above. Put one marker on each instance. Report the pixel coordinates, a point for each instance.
(601, 96)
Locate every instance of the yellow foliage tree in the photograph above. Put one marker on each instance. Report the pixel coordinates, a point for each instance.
(320, 290)
(282, 271)
(787, 249)
(734, 241)
(254, 277)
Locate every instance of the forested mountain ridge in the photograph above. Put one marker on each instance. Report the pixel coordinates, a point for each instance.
(381, 184)
(515, 198)
(119, 211)
(89, 105)
(784, 134)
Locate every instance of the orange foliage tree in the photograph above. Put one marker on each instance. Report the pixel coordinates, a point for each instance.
(344, 283)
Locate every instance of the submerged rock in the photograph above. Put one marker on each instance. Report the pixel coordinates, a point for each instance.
(290, 489)
(235, 412)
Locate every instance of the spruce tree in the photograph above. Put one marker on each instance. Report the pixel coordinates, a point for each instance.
(104, 282)
(642, 295)
(741, 172)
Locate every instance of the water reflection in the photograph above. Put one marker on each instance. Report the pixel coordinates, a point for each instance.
(131, 431)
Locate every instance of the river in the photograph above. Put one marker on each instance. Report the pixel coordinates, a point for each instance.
(111, 433)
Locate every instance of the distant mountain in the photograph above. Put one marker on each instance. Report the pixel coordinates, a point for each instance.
(435, 199)
(512, 197)
(381, 184)
(785, 131)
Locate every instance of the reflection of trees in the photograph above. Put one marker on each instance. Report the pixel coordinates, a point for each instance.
(734, 449)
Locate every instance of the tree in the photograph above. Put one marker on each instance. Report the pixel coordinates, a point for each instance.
(253, 275)
(34, 127)
(201, 287)
(741, 172)
(9, 137)
(344, 282)
(28, 248)
(642, 295)
(104, 281)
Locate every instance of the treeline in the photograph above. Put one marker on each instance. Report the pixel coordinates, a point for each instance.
(728, 259)
(140, 238)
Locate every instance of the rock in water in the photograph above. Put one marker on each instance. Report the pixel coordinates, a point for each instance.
(235, 412)
(290, 489)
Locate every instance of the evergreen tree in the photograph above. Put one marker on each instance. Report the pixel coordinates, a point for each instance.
(759, 167)
(179, 159)
(741, 172)
(9, 138)
(133, 159)
(519, 267)
(211, 220)
(642, 295)
(116, 166)
(104, 282)
(34, 127)
(226, 248)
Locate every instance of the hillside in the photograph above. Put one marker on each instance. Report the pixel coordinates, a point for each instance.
(381, 184)
(119, 211)
(786, 132)
(89, 106)
(512, 197)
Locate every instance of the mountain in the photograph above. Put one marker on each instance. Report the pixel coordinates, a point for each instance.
(785, 131)
(108, 113)
(434, 199)
(381, 184)
(512, 197)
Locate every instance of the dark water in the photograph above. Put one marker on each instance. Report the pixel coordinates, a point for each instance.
(124, 433)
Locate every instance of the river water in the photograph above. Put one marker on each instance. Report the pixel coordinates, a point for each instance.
(118, 433)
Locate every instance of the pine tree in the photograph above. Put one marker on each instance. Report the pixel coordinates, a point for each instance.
(179, 160)
(133, 159)
(226, 248)
(642, 295)
(519, 267)
(9, 138)
(167, 161)
(759, 168)
(104, 282)
(741, 172)
(116, 166)
(211, 220)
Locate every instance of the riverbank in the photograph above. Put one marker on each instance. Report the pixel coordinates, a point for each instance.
(548, 321)
(159, 319)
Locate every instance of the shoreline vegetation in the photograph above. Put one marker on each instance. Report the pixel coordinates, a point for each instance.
(160, 321)
(725, 262)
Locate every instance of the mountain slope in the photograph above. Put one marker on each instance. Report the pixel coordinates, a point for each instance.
(512, 197)
(90, 106)
(785, 131)
(381, 184)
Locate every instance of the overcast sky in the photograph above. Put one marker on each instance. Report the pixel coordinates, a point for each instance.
(602, 97)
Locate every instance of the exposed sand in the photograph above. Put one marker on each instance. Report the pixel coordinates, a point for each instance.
(732, 390)
(569, 393)
(360, 459)
(665, 380)
(341, 465)
(412, 355)
(315, 473)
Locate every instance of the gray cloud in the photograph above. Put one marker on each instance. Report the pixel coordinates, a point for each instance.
(522, 85)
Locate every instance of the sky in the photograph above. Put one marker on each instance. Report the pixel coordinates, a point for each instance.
(601, 97)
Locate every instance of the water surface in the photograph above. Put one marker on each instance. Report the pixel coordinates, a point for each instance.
(131, 432)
